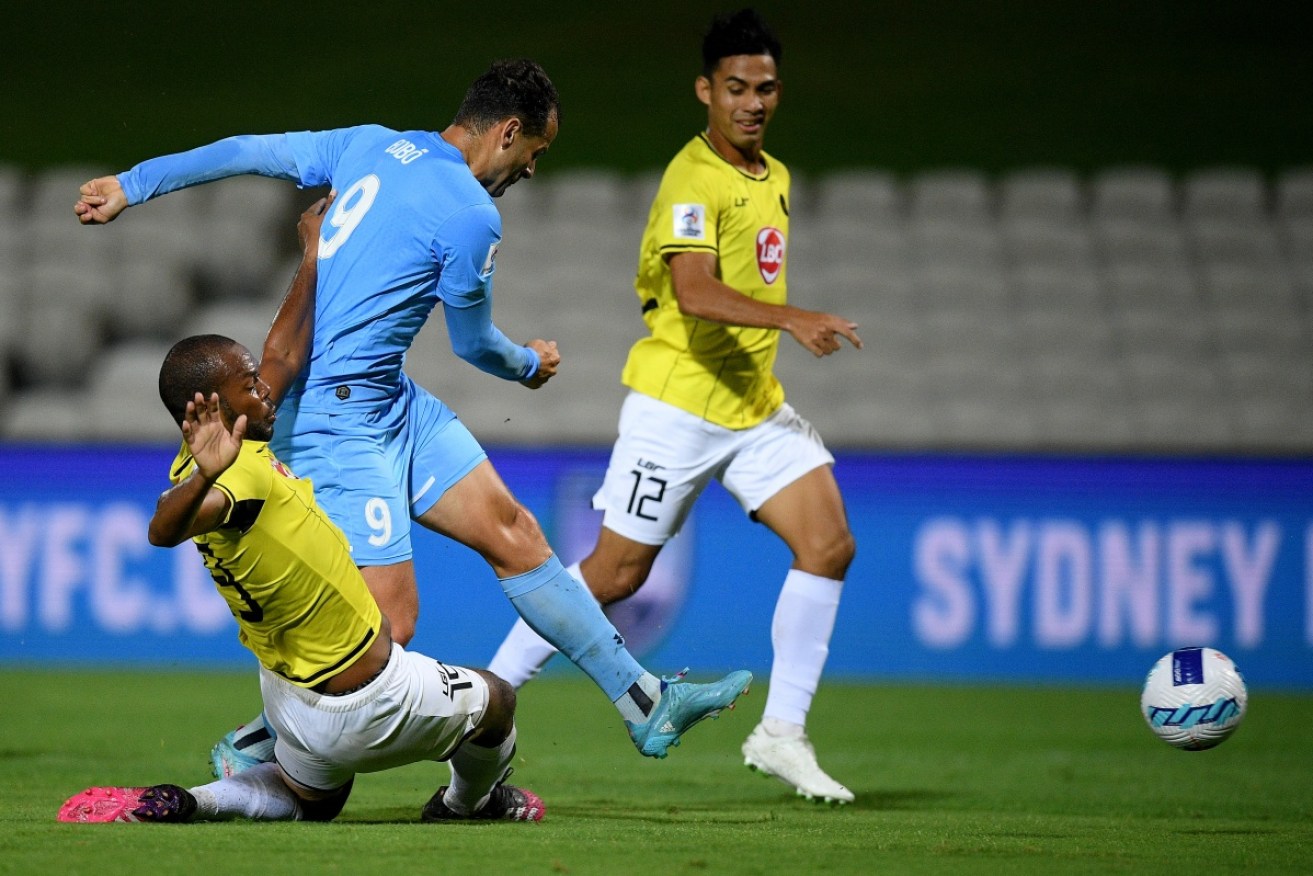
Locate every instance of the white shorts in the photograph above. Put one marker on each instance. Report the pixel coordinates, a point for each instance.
(417, 709)
(666, 456)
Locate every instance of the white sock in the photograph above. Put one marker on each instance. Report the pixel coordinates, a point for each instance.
(522, 655)
(800, 634)
(786, 729)
(258, 793)
(637, 703)
(475, 769)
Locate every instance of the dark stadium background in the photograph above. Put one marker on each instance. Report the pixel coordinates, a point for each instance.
(902, 85)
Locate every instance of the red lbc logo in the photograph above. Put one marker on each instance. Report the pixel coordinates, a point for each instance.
(770, 253)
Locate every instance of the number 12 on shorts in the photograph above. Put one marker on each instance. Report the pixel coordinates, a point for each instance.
(639, 496)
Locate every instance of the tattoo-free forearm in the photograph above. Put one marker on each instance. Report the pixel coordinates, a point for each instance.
(178, 512)
(287, 346)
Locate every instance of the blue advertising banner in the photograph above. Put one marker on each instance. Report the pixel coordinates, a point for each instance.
(969, 568)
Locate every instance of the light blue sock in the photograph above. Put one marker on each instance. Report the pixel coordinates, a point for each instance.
(563, 612)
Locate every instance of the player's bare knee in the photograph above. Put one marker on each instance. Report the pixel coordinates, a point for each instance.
(620, 584)
(830, 555)
(499, 716)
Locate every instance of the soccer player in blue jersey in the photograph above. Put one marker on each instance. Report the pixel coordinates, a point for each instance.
(413, 225)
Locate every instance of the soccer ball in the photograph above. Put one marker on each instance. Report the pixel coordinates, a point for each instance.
(1194, 698)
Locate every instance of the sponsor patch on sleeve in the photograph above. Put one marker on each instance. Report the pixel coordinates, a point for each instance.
(690, 221)
(491, 261)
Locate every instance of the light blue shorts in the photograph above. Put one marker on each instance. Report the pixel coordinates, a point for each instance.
(376, 464)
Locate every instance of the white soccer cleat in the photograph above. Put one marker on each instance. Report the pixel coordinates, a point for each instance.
(792, 760)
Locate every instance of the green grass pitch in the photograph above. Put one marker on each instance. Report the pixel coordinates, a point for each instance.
(949, 780)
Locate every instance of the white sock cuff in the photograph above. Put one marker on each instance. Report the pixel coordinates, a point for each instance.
(826, 590)
(485, 754)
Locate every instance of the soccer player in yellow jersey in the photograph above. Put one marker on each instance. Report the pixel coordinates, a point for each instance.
(341, 696)
(705, 402)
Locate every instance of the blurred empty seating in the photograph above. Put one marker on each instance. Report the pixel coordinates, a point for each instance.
(1143, 194)
(1050, 195)
(1235, 192)
(1129, 310)
(123, 394)
(48, 416)
(857, 196)
(58, 343)
(246, 323)
(954, 195)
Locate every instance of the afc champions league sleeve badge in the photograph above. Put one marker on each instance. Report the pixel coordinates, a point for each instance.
(770, 253)
(690, 221)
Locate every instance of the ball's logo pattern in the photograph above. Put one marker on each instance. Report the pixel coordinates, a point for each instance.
(770, 253)
(1191, 715)
(1194, 698)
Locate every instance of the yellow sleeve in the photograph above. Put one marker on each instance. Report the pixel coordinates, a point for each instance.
(687, 211)
(247, 484)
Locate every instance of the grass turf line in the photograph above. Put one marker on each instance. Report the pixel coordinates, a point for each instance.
(949, 779)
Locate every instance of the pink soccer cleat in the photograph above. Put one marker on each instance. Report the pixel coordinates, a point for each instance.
(159, 803)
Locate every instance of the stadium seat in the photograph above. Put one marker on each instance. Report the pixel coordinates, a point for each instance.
(123, 394)
(1236, 192)
(1133, 192)
(973, 245)
(1047, 243)
(1049, 195)
(48, 416)
(1252, 242)
(953, 195)
(59, 341)
(857, 197)
(247, 323)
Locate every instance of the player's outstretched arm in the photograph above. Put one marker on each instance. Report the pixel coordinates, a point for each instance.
(701, 294)
(193, 506)
(287, 346)
(100, 201)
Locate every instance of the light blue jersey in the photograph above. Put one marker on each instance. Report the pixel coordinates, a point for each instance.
(411, 226)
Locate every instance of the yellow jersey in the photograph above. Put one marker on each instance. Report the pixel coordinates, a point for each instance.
(285, 570)
(722, 373)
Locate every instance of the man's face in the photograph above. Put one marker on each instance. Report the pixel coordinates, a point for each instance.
(243, 392)
(741, 97)
(519, 160)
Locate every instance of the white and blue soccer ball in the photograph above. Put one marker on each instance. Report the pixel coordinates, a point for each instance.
(1194, 698)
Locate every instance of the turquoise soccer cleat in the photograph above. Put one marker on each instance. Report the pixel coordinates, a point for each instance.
(682, 705)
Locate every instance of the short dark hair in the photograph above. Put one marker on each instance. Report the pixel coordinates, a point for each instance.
(516, 87)
(738, 33)
(193, 365)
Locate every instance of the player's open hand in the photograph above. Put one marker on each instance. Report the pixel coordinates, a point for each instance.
(820, 332)
(549, 359)
(208, 441)
(307, 228)
(100, 200)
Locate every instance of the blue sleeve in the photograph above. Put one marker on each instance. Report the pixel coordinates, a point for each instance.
(263, 154)
(307, 158)
(476, 340)
(466, 248)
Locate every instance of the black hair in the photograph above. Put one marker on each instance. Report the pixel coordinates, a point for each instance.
(738, 33)
(193, 365)
(516, 87)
